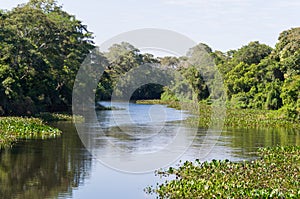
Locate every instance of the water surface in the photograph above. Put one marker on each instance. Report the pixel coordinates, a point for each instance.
(64, 168)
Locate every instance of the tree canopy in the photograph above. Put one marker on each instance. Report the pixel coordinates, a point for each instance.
(42, 48)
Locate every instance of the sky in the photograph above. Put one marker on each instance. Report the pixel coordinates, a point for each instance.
(222, 24)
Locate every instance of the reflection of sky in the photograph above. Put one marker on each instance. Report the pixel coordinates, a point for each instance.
(233, 144)
(139, 114)
(154, 135)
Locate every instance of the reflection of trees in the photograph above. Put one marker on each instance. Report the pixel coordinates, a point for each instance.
(249, 139)
(242, 143)
(40, 169)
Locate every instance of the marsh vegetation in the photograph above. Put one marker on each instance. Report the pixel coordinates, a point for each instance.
(274, 175)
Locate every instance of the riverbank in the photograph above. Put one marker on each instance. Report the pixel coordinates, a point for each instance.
(13, 129)
(238, 118)
(276, 174)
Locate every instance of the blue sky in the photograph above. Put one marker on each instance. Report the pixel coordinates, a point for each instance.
(222, 24)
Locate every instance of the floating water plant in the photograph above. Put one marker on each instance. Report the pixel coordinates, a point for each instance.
(276, 174)
(16, 128)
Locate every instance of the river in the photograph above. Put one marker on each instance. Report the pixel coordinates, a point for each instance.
(131, 142)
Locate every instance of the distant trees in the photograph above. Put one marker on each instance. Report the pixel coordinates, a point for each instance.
(123, 58)
(254, 76)
(169, 61)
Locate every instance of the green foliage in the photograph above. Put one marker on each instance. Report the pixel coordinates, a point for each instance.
(240, 100)
(122, 59)
(273, 101)
(252, 53)
(47, 169)
(235, 117)
(55, 117)
(168, 95)
(274, 175)
(168, 61)
(16, 128)
(147, 91)
(257, 76)
(254, 76)
(288, 43)
(291, 97)
(194, 75)
(41, 49)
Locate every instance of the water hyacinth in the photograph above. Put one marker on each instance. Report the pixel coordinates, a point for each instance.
(16, 128)
(276, 174)
(58, 117)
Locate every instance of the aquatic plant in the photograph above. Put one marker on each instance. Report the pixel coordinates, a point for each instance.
(17, 128)
(276, 174)
(245, 118)
(57, 117)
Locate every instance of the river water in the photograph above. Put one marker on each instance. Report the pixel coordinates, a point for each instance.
(127, 145)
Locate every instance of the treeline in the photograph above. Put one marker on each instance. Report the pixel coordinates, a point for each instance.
(168, 78)
(42, 47)
(255, 76)
(120, 60)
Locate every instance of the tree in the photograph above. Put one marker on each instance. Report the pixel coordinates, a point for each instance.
(169, 62)
(118, 50)
(288, 44)
(290, 95)
(39, 61)
(252, 53)
(123, 58)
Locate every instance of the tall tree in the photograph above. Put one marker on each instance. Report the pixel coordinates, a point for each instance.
(41, 57)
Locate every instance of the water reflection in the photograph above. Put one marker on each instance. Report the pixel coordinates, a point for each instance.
(137, 138)
(62, 168)
(247, 141)
(44, 169)
(240, 144)
(131, 139)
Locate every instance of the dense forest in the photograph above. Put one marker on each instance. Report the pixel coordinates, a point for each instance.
(42, 47)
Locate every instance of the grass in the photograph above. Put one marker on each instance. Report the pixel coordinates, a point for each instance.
(13, 129)
(276, 174)
(244, 118)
